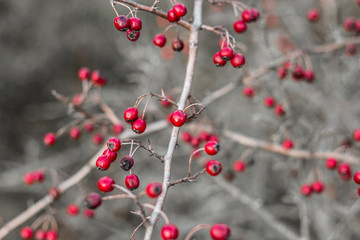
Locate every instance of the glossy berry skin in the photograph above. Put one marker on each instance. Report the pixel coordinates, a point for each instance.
(75, 133)
(126, 163)
(29, 178)
(281, 72)
(89, 127)
(135, 24)
(114, 144)
(226, 53)
(298, 73)
(153, 189)
(132, 182)
(98, 138)
(247, 15)
(213, 167)
(84, 73)
(103, 163)
(306, 190)
(138, 126)
(357, 177)
(159, 40)
(288, 144)
(318, 187)
(130, 115)
(50, 139)
(169, 232)
(279, 110)
(132, 35)
(220, 231)
(110, 154)
(54, 192)
(72, 210)
(212, 147)
(38, 176)
(186, 137)
(51, 235)
(248, 91)
(88, 213)
(177, 45)
(349, 24)
(269, 102)
(239, 166)
(356, 134)
(180, 10)
(219, 62)
(40, 235)
(351, 50)
(118, 128)
(92, 201)
(106, 184)
(178, 118)
(239, 26)
(313, 15)
(26, 233)
(171, 16)
(331, 163)
(238, 60)
(122, 23)
(309, 76)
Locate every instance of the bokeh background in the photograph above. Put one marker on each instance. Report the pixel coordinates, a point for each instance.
(44, 43)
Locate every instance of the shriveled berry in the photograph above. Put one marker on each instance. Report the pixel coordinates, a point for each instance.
(288, 144)
(213, 167)
(132, 182)
(126, 163)
(132, 35)
(51, 235)
(313, 15)
(75, 133)
(349, 24)
(98, 138)
(357, 177)
(159, 40)
(248, 91)
(279, 110)
(72, 209)
(118, 128)
(239, 166)
(106, 184)
(226, 53)
(177, 44)
(269, 101)
(153, 189)
(171, 16)
(220, 231)
(114, 144)
(29, 178)
(40, 235)
(26, 233)
(178, 118)
(169, 232)
(84, 73)
(88, 213)
(110, 154)
(186, 137)
(130, 115)
(238, 60)
(306, 190)
(331, 163)
(122, 23)
(219, 62)
(212, 147)
(239, 26)
(49, 139)
(92, 201)
(180, 10)
(135, 24)
(138, 126)
(103, 162)
(318, 187)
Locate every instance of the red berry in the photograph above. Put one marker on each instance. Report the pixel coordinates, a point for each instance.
(153, 189)
(114, 144)
(239, 166)
(248, 91)
(97, 79)
(357, 177)
(279, 110)
(239, 26)
(238, 60)
(349, 24)
(51, 235)
(298, 73)
(75, 133)
(126, 163)
(138, 126)
(98, 138)
(219, 62)
(132, 35)
(84, 73)
(72, 209)
(313, 15)
(106, 184)
(180, 10)
(220, 231)
(247, 15)
(130, 115)
(269, 101)
(331, 163)
(177, 45)
(281, 72)
(89, 127)
(309, 76)
(110, 154)
(213, 167)
(358, 191)
(103, 162)
(88, 213)
(356, 134)
(169, 232)
(166, 103)
(344, 170)
(186, 137)
(92, 201)
(40, 235)
(226, 53)
(118, 128)
(214, 137)
(287, 65)
(195, 141)
(159, 40)
(50, 139)
(29, 178)
(288, 144)
(77, 99)
(357, 27)
(26, 233)
(318, 187)
(223, 43)
(212, 147)
(39, 176)
(351, 49)
(135, 24)
(171, 16)
(178, 118)
(122, 23)
(132, 182)
(306, 190)
(204, 136)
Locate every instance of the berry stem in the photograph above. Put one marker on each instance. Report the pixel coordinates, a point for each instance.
(165, 217)
(190, 159)
(195, 229)
(146, 104)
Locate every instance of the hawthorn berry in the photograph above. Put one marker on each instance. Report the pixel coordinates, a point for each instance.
(26, 232)
(238, 60)
(281, 72)
(248, 91)
(298, 73)
(88, 213)
(138, 126)
(288, 144)
(180, 10)
(255, 13)
(204, 136)
(89, 127)
(114, 144)
(132, 182)
(118, 128)
(331, 163)
(357, 27)
(177, 44)
(344, 170)
(239, 166)
(247, 15)
(110, 154)
(153, 189)
(75, 133)
(351, 50)
(357, 177)
(98, 138)
(279, 110)
(29, 178)
(159, 40)
(103, 163)
(317, 187)
(313, 15)
(38, 176)
(178, 118)
(219, 62)
(195, 141)
(84, 73)
(220, 231)
(130, 115)
(212, 147)
(169, 232)
(356, 134)
(349, 24)
(72, 209)
(213, 167)
(49, 139)
(92, 201)
(122, 23)
(135, 24)
(54, 192)
(309, 76)
(40, 235)
(106, 184)
(226, 53)
(126, 163)
(166, 103)
(186, 137)
(97, 79)
(51, 235)
(358, 191)
(214, 137)
(171, 16)
(77, 99)
(306, 190)
(269, 101)
(132, 35)
(239, 26)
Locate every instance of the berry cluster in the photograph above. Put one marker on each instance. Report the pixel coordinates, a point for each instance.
(138, 125)
(32, 177)
(132, 26)
(28, 233)
(109, 155)
(225, 54)
(96, 78)
(179, 10)
(248, 16)
(297, 72)
(316, 187)
(196, 141)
